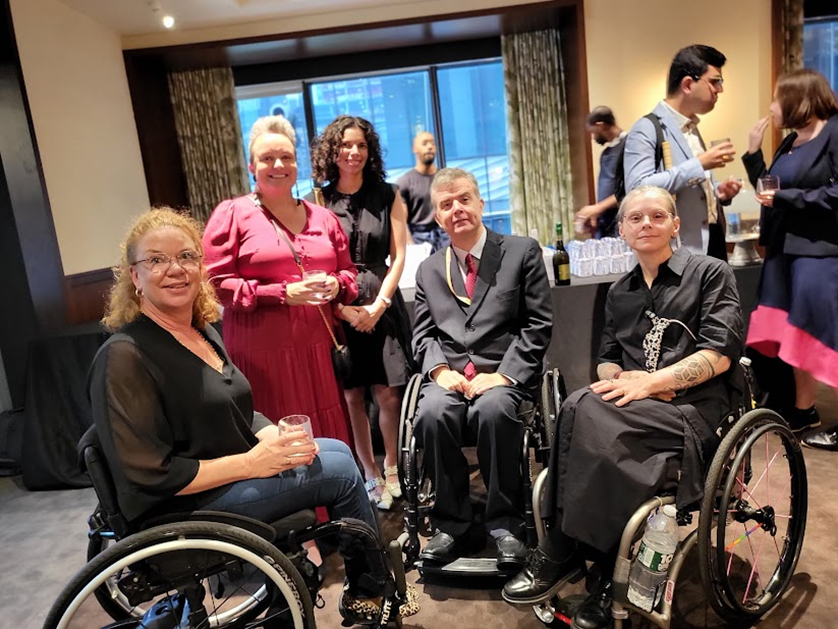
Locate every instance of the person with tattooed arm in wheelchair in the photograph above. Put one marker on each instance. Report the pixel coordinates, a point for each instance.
(668, 376)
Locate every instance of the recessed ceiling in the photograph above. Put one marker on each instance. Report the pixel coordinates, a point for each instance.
(138, 17)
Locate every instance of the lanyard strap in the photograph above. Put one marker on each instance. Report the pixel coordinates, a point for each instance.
(462, 298)
(281, 234)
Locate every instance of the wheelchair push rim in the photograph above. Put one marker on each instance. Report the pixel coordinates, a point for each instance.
(275, 581)
(756, 497)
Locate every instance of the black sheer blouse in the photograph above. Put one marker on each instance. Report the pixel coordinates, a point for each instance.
(159, 410)
(697, 291)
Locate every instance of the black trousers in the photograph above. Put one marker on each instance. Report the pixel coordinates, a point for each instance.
(716, 246)
(446, 422)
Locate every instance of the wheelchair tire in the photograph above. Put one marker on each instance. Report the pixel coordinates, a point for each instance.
(552, 395)
(410, 404)
(757, 480)
(158, 560)
(107, 594)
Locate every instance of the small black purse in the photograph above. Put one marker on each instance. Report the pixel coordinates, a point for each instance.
(341, 359)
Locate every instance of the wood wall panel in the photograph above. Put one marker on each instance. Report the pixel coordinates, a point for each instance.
(86, 295)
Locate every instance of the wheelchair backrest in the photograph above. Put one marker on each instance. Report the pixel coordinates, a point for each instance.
(93, 461)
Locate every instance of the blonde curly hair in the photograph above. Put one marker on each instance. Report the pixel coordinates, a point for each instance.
(123, 303)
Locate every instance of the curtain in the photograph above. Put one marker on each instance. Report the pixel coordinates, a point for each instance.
(792, 25)
(211, 147)
(539, 154)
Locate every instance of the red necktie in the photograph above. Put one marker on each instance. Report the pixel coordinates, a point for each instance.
(470, 371)
(471, 279)
(471, 275)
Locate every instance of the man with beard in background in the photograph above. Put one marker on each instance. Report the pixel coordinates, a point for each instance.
(415, 187)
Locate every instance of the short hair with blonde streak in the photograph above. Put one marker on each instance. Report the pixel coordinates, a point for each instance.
(447, 176)
(123, 305)
(653, 192)
(270, 124)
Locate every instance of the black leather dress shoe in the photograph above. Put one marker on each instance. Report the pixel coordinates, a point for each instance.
(442, 548)
(595, 612)
(824, 440)
(512, 553)
(540, 579)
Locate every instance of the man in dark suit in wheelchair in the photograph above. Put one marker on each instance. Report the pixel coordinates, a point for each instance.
(669, 377)
(483, 320)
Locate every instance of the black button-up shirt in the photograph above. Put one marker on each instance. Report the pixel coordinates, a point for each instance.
(696, 290)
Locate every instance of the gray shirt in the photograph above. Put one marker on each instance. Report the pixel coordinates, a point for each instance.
(416, 192)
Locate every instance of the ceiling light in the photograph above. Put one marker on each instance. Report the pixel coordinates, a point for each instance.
(168, 21)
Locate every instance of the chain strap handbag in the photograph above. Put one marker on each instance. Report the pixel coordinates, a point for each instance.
(341, 360)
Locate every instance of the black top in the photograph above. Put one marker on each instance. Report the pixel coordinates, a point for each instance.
(159, 409)
(365, 217)
(804, 219)
(696, 290)
(415, 188)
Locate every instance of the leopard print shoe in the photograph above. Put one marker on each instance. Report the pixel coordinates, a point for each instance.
(376, 612)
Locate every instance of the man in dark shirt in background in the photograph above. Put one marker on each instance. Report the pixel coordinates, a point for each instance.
(604, 130)
(415, 186)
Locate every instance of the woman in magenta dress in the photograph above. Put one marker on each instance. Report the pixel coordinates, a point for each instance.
(273, 330)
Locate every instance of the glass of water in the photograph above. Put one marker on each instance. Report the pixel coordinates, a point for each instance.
(318, 276)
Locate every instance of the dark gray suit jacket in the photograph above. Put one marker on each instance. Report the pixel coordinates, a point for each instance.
(508, 326)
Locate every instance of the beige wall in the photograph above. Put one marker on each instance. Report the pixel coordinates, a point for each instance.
(84, 125)
(630, 44)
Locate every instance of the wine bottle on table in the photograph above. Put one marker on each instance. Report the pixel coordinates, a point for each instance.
(561, 260)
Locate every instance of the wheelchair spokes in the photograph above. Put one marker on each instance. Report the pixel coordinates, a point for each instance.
(759, 517)
(225, 578)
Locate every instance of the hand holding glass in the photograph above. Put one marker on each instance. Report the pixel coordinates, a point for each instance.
(295, 423)
(315, 277)
(726, 157)
(768, 183)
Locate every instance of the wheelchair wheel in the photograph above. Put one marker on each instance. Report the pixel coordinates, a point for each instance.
(410, 404)
(108, 594)
(217, 575)
(552, 395)
(753, 517)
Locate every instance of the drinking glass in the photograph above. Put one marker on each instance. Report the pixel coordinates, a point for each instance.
(768, 183)
(727, 158)
(317, 276)
(296, 422)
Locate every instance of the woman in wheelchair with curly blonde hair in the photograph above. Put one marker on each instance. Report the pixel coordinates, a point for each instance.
(175, 417)
(668, 377)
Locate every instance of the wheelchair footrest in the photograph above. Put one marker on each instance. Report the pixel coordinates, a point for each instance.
(472, 566)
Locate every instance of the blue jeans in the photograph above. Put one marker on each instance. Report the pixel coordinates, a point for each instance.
(436, 236)
(332, 481)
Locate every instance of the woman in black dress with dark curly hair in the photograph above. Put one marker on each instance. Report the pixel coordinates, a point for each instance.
(347, 158)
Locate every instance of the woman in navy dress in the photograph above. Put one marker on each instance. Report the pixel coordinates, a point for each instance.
(797, 316)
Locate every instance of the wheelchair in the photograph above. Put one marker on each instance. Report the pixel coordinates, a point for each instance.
(539, 418)
(204, 569)
(751, 525)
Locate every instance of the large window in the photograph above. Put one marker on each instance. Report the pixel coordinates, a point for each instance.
(461, 104)
(820, 48)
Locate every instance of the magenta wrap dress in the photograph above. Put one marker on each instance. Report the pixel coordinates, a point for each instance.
(284, 351)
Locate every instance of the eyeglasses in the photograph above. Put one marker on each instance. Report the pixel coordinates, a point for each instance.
(636, 219)
(160, 262)
(716, 83)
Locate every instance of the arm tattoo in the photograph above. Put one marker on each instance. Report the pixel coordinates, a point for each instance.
(691, 371)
